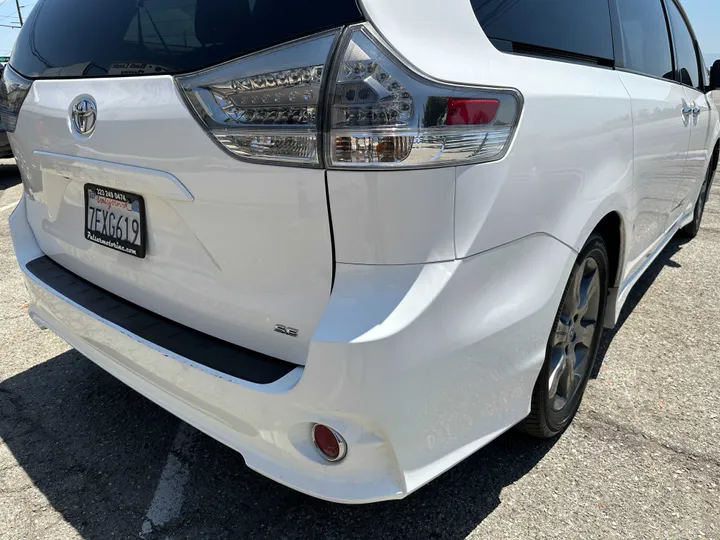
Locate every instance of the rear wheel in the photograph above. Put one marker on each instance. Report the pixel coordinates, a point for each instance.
(692, 229)
(573, 344)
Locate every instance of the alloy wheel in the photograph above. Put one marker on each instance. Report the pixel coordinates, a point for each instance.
(574, 336)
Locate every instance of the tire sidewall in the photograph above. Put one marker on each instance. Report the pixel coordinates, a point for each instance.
(557, 421)
(700, 207)
(692, 229)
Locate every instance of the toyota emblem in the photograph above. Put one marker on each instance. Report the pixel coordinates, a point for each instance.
(84, 116)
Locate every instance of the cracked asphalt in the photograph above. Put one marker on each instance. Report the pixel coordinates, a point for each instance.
(83, 456)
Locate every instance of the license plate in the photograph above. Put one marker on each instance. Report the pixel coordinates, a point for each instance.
(115, 219)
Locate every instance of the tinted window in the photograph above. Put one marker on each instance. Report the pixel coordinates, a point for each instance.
(645, 37)
(96, 38)
(687, 59)
(575, 26)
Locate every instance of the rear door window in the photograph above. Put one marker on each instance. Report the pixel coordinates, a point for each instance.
(688, 67)
(574, 27)
(101, 38)
(645, 37)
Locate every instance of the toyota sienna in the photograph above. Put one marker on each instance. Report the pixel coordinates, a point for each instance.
(355, 242)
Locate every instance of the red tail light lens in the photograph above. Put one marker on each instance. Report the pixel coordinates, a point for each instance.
(463, 112)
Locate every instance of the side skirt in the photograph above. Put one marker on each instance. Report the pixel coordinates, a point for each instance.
(618, 295)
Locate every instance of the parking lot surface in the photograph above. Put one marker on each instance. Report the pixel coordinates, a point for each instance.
(83, 456)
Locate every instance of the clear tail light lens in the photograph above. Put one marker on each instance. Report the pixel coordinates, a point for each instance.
(14, 89)
(265, 106)
(383, 115)
(372, 111)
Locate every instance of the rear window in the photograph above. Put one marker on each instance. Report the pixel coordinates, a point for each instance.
(105, 38)
(573, 27)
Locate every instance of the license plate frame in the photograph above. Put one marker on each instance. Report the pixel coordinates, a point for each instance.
(120, 203)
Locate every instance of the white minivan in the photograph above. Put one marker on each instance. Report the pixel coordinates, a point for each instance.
(354, 241)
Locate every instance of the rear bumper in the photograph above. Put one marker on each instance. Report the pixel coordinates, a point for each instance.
(416, 366)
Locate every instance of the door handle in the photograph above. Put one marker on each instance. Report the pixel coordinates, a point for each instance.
(687, 111)
(696, 110)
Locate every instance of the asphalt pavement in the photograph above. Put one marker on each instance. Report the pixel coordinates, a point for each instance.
(83, 456)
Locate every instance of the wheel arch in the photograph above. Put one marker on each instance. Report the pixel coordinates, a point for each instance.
(714, 159)
(612, 223)
(610, 228)
(611, 219)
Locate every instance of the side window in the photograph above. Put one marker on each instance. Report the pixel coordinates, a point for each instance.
(579, 27)
(645, 38)
(687, 58)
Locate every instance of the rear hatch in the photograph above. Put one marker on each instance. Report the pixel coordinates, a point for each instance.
(239, 249)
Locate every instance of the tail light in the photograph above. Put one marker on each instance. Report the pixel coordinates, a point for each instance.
(13, 90)
(265, 106)
(368, 109)
(383, 115)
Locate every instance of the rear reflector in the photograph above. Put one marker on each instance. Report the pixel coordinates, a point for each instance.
(329, 442)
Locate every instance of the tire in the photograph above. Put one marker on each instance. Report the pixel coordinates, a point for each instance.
(692, 229)
(558, 393)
